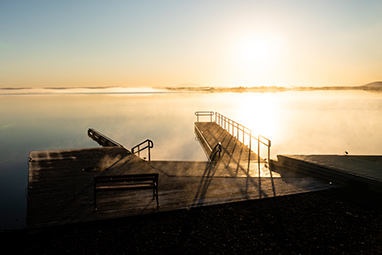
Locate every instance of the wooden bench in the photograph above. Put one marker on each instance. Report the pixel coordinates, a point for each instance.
(125, 182)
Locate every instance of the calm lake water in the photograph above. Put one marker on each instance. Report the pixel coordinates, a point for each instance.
(314, 122)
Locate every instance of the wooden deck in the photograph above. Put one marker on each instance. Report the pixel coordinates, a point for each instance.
(236, 159)
(342, 169)
(60, 187)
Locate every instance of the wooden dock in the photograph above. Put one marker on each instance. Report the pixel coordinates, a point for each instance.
(343, 169)
(235, 159)
(60, 187)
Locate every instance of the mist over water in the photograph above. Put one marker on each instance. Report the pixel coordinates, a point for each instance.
(312, 122)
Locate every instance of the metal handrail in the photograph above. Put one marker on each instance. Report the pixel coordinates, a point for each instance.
(210, 152)
(216, 149)
(102, 139)
(149, 146)
(233, 127)
(203, 114)
(203, 140)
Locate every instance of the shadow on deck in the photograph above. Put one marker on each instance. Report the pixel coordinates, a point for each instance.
(60, 189)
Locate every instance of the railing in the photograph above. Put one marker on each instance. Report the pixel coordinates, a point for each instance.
(210, 152)
(102, 139)
(204, 114)
(215, 150)
(149, 145)
(239, 131)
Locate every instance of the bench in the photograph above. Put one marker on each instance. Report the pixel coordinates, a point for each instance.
(126, 182)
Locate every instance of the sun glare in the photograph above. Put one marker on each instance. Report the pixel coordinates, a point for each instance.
(259, 113)
(259, 55)
(259, 48)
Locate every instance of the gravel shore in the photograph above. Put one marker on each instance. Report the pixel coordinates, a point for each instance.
(336, 221)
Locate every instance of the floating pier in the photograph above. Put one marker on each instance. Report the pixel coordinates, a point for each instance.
(344, 169)
(60, 186)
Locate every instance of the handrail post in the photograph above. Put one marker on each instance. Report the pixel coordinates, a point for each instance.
(149, 145)
(258, 148)
(250, 139)
(243, 134)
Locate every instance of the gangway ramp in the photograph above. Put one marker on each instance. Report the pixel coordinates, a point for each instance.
(236, 159)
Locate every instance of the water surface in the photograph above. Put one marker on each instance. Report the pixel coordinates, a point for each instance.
(312, 122)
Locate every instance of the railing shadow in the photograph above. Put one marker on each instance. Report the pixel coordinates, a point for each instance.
(204, 184)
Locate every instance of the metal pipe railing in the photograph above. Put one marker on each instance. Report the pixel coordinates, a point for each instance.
(210, 152)
(233, 127)
(148, 146)
(203, 114)
(215, 150)
(102, 139)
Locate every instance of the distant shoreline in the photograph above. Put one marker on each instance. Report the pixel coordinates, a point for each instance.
(375, 86)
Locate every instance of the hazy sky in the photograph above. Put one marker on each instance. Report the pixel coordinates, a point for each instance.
(212, 43)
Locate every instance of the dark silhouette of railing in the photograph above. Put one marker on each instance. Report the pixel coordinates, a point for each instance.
(217, 149)
(147, 144)
(102, 139)
(210, 152)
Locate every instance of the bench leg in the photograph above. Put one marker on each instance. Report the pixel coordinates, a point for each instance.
(156, 193)
(95, 203)
(95, 197)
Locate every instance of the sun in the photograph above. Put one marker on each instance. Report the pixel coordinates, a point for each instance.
(259, 112)
(259, 48)
(259, 52)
